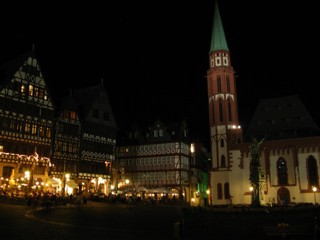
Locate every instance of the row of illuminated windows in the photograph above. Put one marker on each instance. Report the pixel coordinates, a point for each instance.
(30, 89)
(34, 91)
(157, 162)
(67, 147)
(154, 147)
(171, 175)
(24, 127)
(151, 161)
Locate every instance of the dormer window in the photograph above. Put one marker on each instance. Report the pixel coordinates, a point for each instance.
(155, 133)
(160, 132)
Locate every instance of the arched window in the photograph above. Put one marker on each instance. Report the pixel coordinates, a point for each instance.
(223, 161)
(219, 189)
(220, 110)
(222, 142)
(312, 169)
(226, 191)
(282, 172)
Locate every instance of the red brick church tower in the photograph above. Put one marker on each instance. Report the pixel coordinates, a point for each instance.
(222, 96)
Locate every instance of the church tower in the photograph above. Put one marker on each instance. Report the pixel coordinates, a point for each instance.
(225, 130)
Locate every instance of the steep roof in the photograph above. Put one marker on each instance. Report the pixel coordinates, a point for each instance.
(281, 118)
(218, 39)
(158, 132)
(89, 98)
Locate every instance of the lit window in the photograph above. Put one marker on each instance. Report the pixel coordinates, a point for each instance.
(73, 115)
(34, 129)
(30, 90)
(22, 89)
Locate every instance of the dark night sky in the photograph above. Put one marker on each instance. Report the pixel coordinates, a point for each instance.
(153, 56)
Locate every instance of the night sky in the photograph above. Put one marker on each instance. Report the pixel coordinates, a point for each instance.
(153, 56)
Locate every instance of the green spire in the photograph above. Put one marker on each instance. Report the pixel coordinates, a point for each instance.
(218, 39)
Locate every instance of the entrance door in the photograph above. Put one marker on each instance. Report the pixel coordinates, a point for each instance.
(283, 196)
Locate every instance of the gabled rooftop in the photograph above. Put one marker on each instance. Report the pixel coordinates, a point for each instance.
(281, 118)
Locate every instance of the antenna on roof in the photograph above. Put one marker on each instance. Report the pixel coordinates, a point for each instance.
(33, 46)
(70, 92)
(101, 81)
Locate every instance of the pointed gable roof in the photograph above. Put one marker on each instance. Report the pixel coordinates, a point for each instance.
(218, 39)
(20, 68)
(88, 98)
(281, 118)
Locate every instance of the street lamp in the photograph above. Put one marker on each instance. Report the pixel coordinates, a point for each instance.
(314, 189)
(209, 196)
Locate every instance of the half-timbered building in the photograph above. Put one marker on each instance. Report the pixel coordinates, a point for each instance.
(98, 138)
(26, 122)
(66, 145)
(154, 162)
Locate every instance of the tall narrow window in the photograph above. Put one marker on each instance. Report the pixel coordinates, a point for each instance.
(228, 83)
(223, 161)
(30, 90)
(312, 171)
(282, 172)
(219, 189)
(220, 111)
(226, 191)
(229, 111)
(222, 142)
(219, 83)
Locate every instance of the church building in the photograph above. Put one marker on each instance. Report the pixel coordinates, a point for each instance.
(279, 149)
